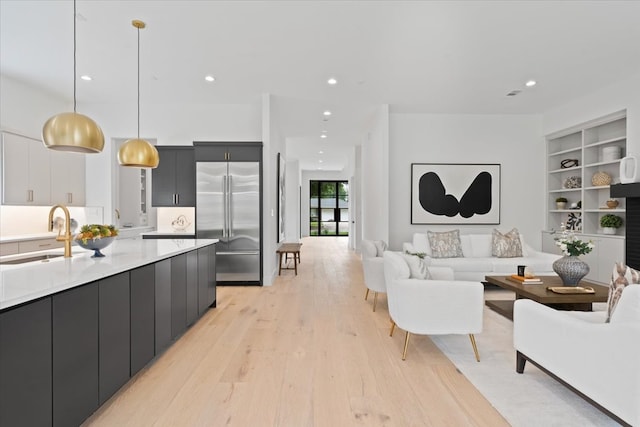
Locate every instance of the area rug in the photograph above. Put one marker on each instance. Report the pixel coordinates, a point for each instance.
(532, 399)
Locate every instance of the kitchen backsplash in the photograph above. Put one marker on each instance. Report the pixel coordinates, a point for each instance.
(171, 220)
(20, 220)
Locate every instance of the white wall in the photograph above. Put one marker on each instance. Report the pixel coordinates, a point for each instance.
(292, 196)
(616, 97)
(375, 178)
(24, 109)
(513, 141)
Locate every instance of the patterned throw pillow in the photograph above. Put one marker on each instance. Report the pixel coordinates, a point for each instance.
(506, 245)
(622, 277)
(417, 266)
(445, 244)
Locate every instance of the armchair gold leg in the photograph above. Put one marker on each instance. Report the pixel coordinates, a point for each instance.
(475, 348)
(406, 344)
(366, 295)
(375, 299)
(393, 326)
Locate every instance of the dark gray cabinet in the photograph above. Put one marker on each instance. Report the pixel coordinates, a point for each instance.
(114, 334)
(206, 278)
(62, 356)
(228, 151)
(163, 304)
(192, 287)
(75, 355)
(178, 295)
(142, 288)
(173, 182)
(25, 365)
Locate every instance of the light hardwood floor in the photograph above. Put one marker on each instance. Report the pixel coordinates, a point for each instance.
(307, 351)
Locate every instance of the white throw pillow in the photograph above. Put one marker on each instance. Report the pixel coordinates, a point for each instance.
(628, 307)
(421, 243)
(381, 246)
(399, 265)
(417, 267)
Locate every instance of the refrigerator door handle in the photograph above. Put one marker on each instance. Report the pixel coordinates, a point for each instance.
(224, 206)
(230, 206)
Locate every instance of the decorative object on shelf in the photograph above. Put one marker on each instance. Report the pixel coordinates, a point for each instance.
(96, 237)
(610, 154)
(72, 131)
(569, 163)
(138, 153)
(610, 223)
(573, 182)
(570, 268)
(629, 170)
(600, 178)
(561, 203)
(574, 205)
(574, 221)
(612, 203)
(181, 223)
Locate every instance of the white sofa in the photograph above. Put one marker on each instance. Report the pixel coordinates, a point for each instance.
(478, 262)
(598, 359)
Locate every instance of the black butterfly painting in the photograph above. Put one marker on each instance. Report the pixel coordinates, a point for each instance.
(470, 196)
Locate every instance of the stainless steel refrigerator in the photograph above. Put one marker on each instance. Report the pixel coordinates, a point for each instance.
(228, 209)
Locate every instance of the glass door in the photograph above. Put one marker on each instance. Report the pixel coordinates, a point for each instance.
(329, 208)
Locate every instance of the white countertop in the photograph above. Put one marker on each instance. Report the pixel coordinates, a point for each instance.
(32, 236)
(20, 283)
(169, 233)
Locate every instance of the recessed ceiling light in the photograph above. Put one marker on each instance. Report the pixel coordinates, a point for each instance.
(327, 113)
(209, 78)
(530, 83)
(332, 81)
(323, 136)
(320, 152)
(86, 78)
(319, 161)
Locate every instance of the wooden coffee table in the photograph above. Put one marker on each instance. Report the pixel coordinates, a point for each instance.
(539, 293)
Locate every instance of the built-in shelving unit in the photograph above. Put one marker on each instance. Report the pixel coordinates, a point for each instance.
(591, 145)
(598, 146)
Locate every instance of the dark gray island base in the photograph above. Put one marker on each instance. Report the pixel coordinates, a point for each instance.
(65, 354)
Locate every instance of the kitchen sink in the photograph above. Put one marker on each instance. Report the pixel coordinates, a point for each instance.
(43, 258)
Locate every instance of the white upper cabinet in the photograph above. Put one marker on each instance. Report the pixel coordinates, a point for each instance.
(67, 178)
(34, 175)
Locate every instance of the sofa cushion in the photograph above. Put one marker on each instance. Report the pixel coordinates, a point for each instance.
(368, 249)
(465, 244)
(480, 245)
(400, 268)
(464, 264)
(506, 245)
(622, 277)
(417, 267)
(445, 244)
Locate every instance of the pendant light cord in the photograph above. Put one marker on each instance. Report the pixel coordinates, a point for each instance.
(138, 82)
(74, 55)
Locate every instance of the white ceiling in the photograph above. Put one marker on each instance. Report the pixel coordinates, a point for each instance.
(417, 56)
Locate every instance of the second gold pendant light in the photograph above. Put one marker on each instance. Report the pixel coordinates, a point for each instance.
(138, 152)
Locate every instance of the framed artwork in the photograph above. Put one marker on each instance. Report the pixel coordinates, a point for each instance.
(449, 193)
(281, 197)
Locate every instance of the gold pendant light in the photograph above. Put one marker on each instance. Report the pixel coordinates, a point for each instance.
(137, 152)
(73, 131)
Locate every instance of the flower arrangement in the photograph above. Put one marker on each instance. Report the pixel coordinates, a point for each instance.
(572, 246)
(95, 231)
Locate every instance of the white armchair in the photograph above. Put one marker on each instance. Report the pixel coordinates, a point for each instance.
(598, 360)
(373, 267)
(432, 307)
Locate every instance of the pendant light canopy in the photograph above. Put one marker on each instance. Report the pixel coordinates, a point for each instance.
(73, 131)
(137, 152)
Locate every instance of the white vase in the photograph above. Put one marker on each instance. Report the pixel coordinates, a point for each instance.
(609, 230)
(561, 205)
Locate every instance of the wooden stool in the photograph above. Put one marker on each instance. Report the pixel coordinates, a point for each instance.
(286, 249)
